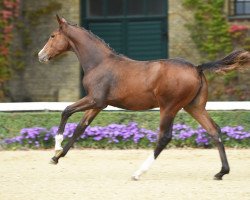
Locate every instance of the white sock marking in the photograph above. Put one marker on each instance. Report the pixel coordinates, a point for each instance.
(144, 167)
(58, 140)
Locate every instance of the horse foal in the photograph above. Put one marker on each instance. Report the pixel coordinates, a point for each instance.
(112, 79)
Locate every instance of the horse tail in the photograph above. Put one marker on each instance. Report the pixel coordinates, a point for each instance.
(237, 60)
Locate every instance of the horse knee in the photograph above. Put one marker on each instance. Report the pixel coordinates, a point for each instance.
(67, 112)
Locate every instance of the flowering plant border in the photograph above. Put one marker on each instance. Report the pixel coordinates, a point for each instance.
(125, 136)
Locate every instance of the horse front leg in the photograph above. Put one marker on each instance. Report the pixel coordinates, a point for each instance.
(81, 105)
(59, 136)
(81, 127)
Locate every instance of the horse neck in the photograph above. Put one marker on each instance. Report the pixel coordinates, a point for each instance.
(90, 51)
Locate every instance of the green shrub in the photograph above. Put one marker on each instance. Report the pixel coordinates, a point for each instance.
(12, 123)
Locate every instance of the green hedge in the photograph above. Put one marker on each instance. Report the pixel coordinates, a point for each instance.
(12, 123)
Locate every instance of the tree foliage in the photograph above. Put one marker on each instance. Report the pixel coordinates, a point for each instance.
(209, 30)
(9, 11)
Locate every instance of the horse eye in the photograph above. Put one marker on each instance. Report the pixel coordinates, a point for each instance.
(52, 36)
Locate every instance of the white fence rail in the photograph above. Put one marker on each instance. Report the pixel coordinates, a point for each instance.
(59, 106)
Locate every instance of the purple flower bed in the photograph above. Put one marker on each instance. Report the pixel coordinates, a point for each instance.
(127, 136)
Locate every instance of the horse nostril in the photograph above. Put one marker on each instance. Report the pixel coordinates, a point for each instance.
(42, 56)
(41, 59)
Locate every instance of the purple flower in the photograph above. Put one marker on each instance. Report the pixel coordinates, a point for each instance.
(115, 133)
(237, 132)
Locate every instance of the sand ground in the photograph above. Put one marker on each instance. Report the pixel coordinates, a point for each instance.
(106, 174)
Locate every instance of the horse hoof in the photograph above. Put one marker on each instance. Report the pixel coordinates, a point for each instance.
(135, 178)
(59, 153)
(53, 162)
(218, 178)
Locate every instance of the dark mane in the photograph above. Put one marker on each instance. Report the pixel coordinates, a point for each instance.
(92, 35)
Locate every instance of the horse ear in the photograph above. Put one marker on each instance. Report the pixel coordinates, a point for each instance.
(61, 21)
(58, 19)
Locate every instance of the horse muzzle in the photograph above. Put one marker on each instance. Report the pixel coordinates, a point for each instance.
(43, 57)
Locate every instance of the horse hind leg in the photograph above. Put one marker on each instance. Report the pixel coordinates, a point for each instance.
(200, 114)
(165, 136)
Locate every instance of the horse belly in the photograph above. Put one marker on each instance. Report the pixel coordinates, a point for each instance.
(135, 102)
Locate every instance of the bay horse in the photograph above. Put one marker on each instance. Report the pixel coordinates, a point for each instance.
(113, 79)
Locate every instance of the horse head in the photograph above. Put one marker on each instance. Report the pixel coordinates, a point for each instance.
(57, 43)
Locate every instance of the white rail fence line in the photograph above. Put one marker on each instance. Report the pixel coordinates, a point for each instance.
(60, 106)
